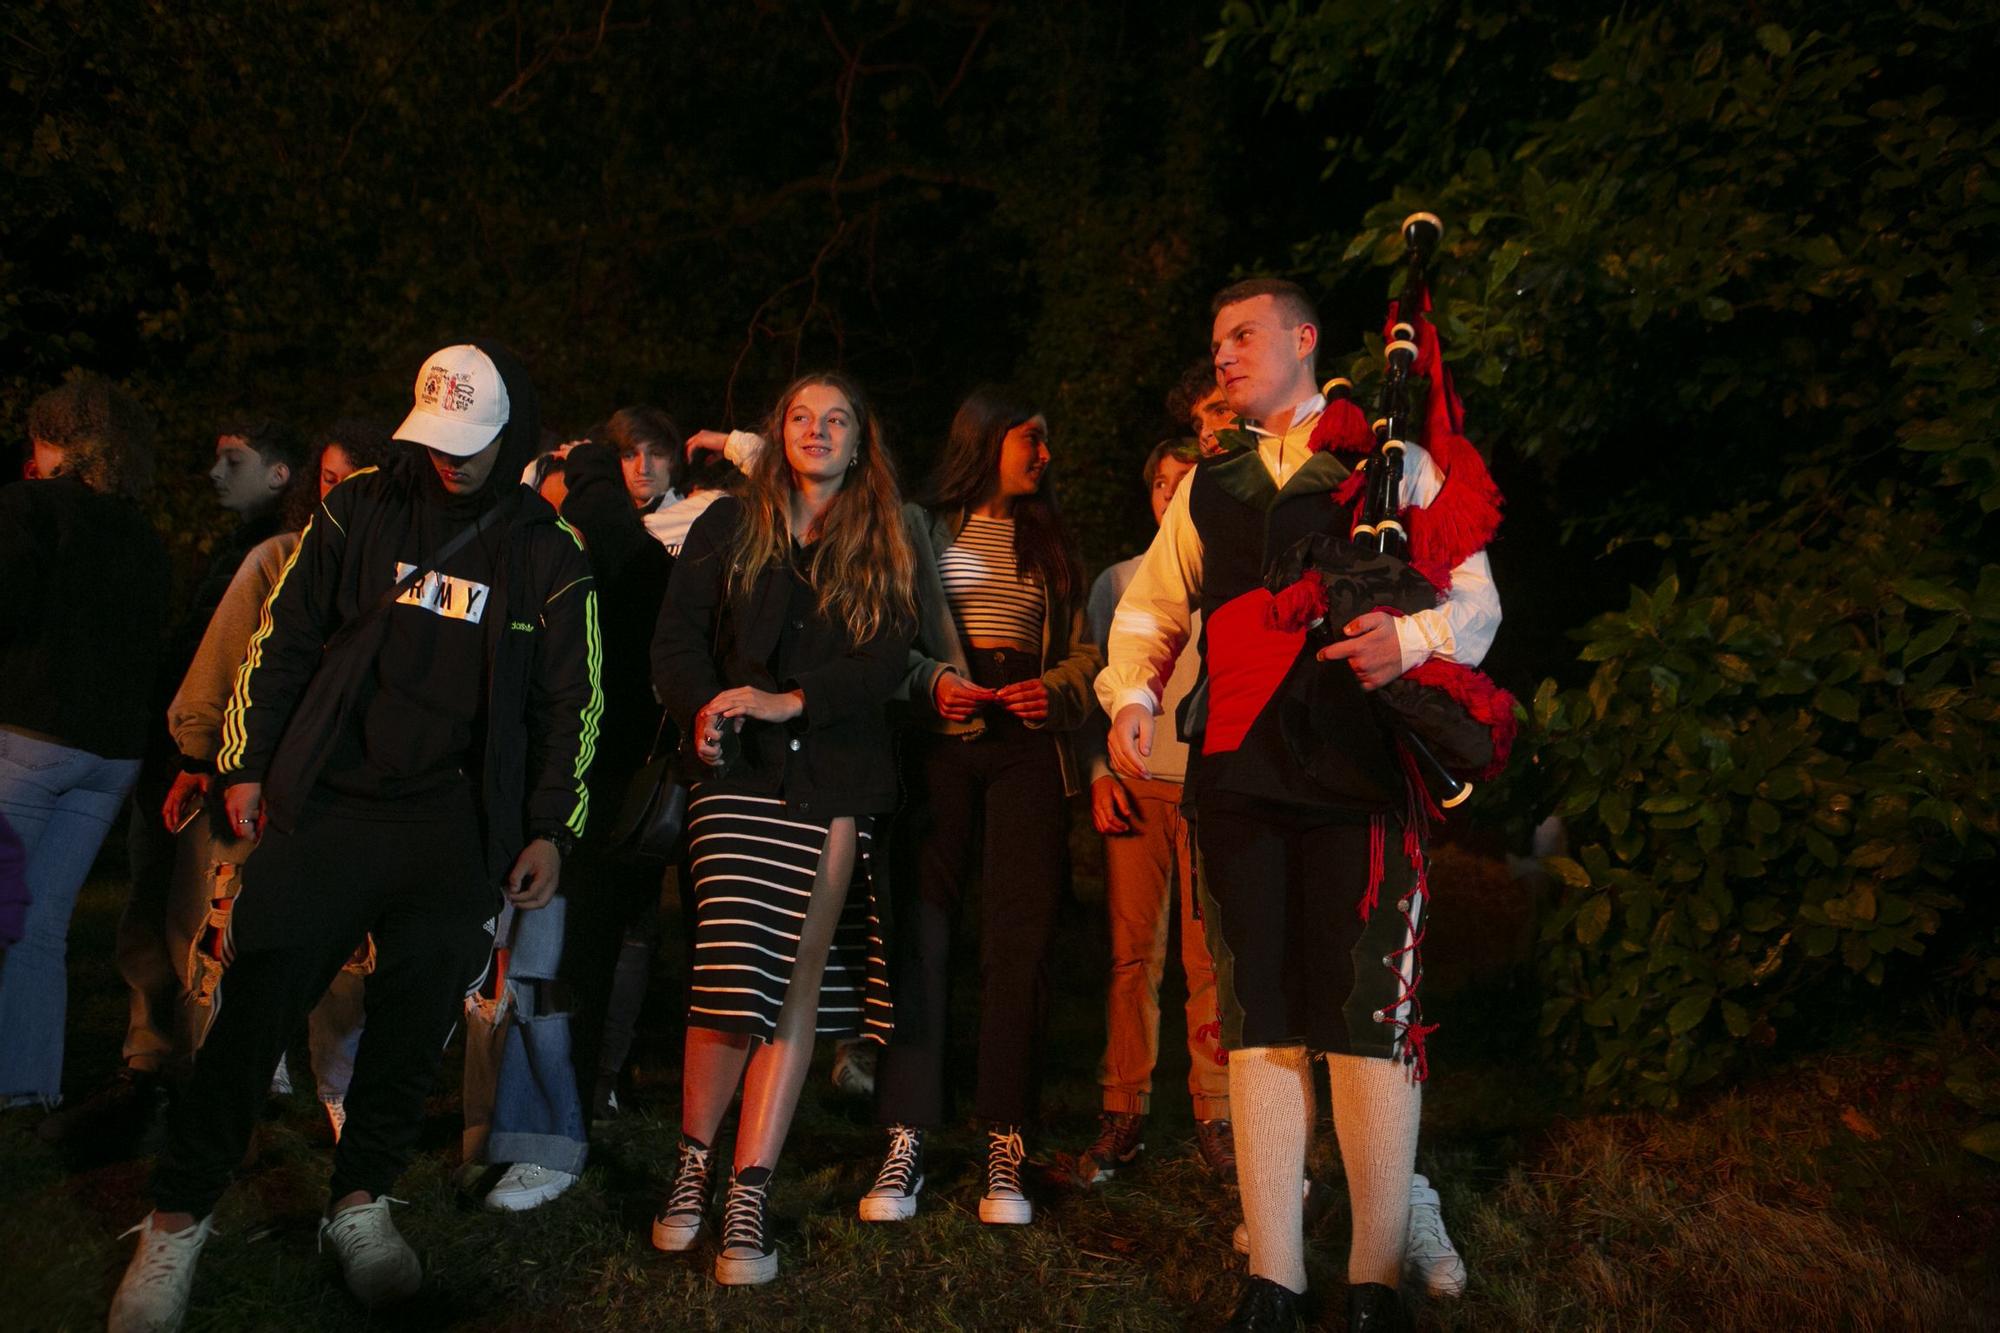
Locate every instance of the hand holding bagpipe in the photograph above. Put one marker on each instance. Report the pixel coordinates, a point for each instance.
(1372, 648)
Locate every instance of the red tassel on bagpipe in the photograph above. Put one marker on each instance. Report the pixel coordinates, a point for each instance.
(1299, 606)
(1465, 513)
(1343, 428)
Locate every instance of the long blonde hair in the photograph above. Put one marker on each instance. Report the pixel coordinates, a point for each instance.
(862, 567)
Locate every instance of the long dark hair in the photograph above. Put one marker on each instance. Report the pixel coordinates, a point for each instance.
(965, 476)
(862, 566)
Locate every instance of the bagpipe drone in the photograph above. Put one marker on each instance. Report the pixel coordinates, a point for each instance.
(1450, 725)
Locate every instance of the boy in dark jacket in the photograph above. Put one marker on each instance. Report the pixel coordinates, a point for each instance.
(409, 734)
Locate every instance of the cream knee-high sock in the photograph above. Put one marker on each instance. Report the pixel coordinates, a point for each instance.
(1271, 1106)
(1376, 1106)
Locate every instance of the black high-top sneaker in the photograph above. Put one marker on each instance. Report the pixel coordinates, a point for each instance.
(683, 1215)
(1005, 1202)
(748, 1256)
(893, 1197)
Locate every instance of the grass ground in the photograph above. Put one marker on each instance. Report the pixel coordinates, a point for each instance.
(1828, 1194)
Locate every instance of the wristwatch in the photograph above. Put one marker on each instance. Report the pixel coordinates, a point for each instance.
(563, 839)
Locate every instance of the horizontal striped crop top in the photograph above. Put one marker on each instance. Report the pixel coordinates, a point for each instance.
(989, 598)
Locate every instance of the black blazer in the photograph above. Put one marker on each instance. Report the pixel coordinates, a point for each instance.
(834, 759)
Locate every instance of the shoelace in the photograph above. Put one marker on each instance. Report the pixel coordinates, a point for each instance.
(743, 1217)
(899, 1169)
(159, 1258)
(690, 1192)
(1427, 1230)
(1004, 1155)
(368, 1240)
(1115, 1137)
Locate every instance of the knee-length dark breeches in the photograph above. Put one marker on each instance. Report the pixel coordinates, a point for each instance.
(1301, 956)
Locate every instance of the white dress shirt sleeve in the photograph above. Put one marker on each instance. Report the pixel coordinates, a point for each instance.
(1155, 616)
(1461, 627)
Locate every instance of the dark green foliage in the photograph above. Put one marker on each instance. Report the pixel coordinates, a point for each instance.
(1705, 261)
(284, 207)
(1780, 775)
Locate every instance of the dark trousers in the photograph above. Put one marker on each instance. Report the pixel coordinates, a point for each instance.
(992, 807)
(614, 911)
(420, 886)
(156, 1036)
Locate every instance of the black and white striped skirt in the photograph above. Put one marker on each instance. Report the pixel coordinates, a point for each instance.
(753, 863)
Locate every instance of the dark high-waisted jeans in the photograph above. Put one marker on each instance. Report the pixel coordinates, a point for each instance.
(992, 808)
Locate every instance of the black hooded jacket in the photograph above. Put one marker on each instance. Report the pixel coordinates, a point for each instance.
(631, 571)
(504, 637)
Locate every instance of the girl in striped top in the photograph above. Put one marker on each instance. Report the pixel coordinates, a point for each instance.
(786, 628)
(1000, 678)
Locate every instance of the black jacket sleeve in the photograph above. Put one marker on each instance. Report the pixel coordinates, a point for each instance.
(286, 647)
(686, 674)
(566, 697)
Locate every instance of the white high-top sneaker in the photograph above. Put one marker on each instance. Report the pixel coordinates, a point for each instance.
(379, 1265)
(153, 1295)
(1429, 1251)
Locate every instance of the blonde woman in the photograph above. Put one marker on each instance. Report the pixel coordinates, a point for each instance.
(786, 628)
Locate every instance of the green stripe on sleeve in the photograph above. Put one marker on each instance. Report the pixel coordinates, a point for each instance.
(593, 712)
(235, 734)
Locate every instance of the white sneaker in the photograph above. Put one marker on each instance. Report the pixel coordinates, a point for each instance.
(854, 1068)
(153, 1295)
(379, 1265)
(1429, 1252)
(1240, 1240)
(1005, 1203)
(336, 1115)
(893, 1197)
(524, 1185)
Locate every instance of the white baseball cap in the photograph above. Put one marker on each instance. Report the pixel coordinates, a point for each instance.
(461, 403)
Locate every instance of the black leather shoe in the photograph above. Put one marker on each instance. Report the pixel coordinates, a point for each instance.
(1374, 1308)
(1266, 1307)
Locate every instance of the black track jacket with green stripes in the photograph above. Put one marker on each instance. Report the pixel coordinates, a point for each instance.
(301, 675)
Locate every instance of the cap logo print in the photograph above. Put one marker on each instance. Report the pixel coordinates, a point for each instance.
(461, 402)
(448, 391)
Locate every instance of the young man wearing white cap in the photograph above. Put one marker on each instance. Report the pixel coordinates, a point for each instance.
(407, 741)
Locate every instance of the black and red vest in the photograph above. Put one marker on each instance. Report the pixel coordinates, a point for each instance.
(1244, 716)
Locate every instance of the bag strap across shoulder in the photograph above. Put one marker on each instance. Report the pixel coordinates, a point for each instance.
(425, 568)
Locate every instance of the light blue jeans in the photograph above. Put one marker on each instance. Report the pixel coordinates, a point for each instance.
(61, 802)
(520, 1094)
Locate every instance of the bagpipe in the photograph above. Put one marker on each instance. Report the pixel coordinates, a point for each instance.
(1451, 725)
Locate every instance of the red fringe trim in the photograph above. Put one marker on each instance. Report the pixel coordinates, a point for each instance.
(1377, 867)
(1460, 519)
(1478, 695)
(1299, 606)
(1343, 427)
(1413, 1030)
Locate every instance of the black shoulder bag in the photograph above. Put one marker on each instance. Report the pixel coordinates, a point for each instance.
(653, 814)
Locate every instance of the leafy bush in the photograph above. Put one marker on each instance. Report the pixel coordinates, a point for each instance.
(1771, 777)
